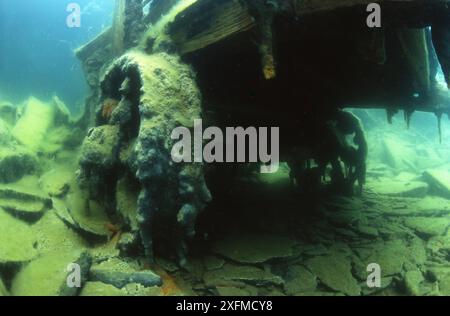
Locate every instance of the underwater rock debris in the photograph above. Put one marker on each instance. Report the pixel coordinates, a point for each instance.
(128, 203)
(335, 272)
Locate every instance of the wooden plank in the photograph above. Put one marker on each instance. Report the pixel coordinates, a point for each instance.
(158, 8)
(119, 27)
(302, 7)
(209, 22)
(100, 42)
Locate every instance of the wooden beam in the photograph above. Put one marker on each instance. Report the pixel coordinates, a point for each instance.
(158, 8)
(209, 22)
(100, 42)
(119, 27)
(302, 7)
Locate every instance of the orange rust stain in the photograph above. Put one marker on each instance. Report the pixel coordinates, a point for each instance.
(116, 232)
(108, 106)
(169, 287)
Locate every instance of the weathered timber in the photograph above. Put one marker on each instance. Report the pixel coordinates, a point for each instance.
(209, 22)
(119, 27)
(89, 49)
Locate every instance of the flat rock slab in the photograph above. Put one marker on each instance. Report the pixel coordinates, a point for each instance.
(121, 279)
(254, 248)
(428, 226)
(56, 182)
(16, 162)
(30, 130)
(430, 206)
(47, 275)
(213, 263)
(16, 240)
(444, 285)
(3, 290)
(392, 187)
(232, 275)
(398, 154)
(235, 291)
(439, 245)
(439, 180)
(334, 271)
(100, 289)
(24, 199)
(391, 256)
(86, 215)
(384, 284)
(413, 280)
(299, 280)
(366, 231)
(120, 273)
(52, 234)
(103, 289)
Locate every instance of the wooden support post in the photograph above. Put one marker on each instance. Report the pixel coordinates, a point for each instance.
(266, 47)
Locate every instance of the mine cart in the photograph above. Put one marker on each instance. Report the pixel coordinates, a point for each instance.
(294, 64)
